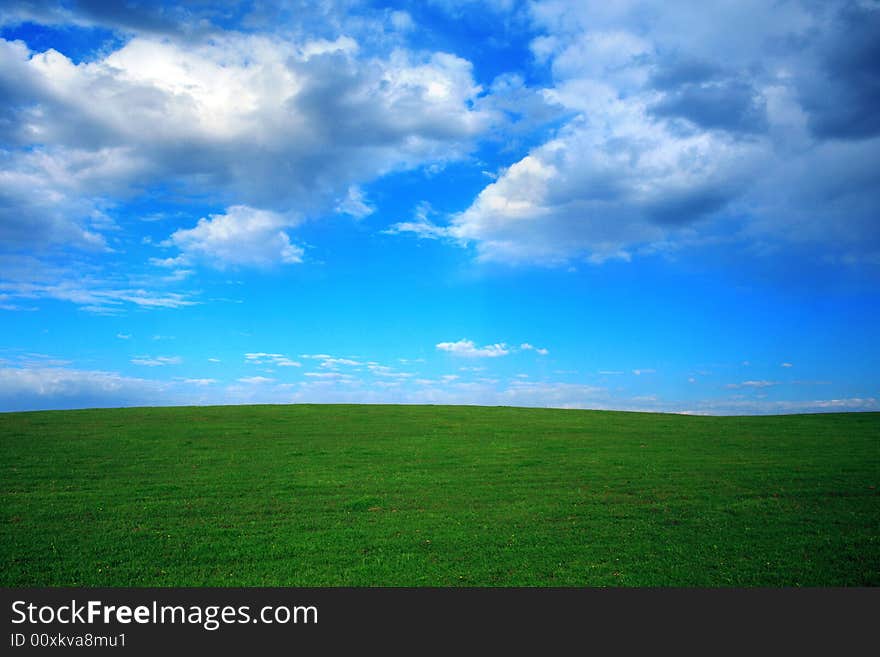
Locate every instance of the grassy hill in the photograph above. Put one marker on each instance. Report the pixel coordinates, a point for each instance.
(443, 496)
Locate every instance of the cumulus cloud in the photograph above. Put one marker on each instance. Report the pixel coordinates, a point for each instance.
(242, 236)
(601, 187)
(277, 128)
(468, 349)
(685, 125)
(281, 123)
(541, 351)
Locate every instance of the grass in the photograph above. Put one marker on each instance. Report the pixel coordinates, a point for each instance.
(312, 495)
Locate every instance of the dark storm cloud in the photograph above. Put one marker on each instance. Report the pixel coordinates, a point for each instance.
(139, 16)
(728, 104)
(842, 98)
(684, 208)
(129, 16)
(676, 71)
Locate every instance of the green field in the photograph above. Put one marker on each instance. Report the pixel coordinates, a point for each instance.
(311, 495)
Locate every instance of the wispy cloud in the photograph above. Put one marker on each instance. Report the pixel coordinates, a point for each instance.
(97, 297)
(421, 226)
(387, 372)
(468, 349)
(328, 375)
(157, 361)
(31, 388)
(277, 360)
(752, 384)
(332, 363)
(256, 380)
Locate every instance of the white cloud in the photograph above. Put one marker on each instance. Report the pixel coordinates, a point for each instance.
(39, 387)
(332, 363)
(355, 204)
(256, 380)
(28, 277)
(38, 361)
(614, 178)
(329, 362)
(287, 125)
(169, 263)
(242, 236)
(751, 384)
(786, 365)
(682, 129)
(157, 361)
(762, 407)
(123, 336)
(402, 21)
(643, 371)
(421, 229)
(331, 376)
(525, 346)
(422, 226)
(278, 360)
(468, 349)
(34, 388)
(388, 372)
(601, 188)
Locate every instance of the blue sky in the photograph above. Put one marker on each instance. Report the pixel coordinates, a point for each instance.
(629, 205)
